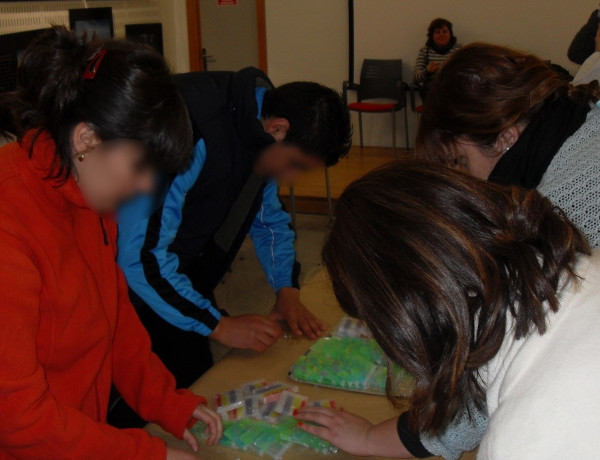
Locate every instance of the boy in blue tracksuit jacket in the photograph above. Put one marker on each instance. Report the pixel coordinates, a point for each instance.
(175, 247)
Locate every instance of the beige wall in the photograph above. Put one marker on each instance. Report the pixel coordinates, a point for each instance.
(229, 34)
(175, 39)
(308, 39)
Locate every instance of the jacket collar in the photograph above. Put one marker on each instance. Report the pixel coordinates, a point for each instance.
(244, 108)
(44, 164)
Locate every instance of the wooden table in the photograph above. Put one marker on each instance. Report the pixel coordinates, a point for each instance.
(240, 366)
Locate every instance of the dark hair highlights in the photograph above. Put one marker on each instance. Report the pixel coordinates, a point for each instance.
(480, 92)
(319, 119)
(435, 261)
(132, 96)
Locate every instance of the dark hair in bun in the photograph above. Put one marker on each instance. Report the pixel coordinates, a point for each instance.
(132, 96)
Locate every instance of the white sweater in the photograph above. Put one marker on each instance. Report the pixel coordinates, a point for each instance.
(543, 392)
(589, 70)
(572, 180)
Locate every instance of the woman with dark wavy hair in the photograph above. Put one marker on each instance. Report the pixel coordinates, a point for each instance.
(507, 117)
(488, 295)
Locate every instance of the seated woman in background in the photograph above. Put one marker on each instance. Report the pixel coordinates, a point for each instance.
(512, 120)
(95, 121)
(488, 295)
(441, 43)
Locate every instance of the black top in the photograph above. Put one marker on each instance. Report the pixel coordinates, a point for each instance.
(584, 43)
(410, 439)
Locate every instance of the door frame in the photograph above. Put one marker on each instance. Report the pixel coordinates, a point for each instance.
(195, 35)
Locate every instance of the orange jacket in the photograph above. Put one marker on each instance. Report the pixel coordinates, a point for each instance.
(68, 328)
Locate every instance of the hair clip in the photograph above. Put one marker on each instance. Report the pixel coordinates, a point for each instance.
(93, 63)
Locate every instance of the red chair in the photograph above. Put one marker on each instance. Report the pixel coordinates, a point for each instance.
(379, 79)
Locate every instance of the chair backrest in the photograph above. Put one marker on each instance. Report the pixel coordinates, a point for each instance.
(380, 78)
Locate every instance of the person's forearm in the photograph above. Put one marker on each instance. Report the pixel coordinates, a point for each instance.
(383, 440)
(288, 291)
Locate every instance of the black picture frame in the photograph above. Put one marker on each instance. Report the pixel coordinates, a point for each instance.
(96, 22)
(149, 34)
(12, 47)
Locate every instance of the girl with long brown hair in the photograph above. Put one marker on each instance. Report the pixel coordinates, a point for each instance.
(507, 117)
(487, 294)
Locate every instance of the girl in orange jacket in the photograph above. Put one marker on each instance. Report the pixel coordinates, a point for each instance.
(94, 122)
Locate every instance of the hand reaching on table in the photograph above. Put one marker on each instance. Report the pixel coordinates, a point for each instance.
(347, 431)
(254, 332)
(352, 433)
(214, 428)
(289, 308)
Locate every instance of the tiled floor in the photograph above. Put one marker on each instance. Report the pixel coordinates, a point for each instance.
(245, 289)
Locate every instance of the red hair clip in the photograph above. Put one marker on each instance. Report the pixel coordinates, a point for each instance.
(93, 63)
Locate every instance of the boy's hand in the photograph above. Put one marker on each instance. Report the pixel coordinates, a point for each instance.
(290, 309)
(254, 332)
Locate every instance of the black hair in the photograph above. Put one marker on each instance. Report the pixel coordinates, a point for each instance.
(439, 23)
(319, 119)
(132, 96)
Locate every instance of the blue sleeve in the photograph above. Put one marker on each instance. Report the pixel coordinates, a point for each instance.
(273, 240)
(144, 240)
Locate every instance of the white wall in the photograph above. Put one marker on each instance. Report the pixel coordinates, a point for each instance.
(308, 39)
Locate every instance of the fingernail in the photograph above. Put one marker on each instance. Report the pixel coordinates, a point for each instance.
(295, 412)
(300, 423)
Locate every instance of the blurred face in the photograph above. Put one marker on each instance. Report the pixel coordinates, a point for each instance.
(476, 161)
(110, 172)
(441, 36)
(284, 162)
(480, 161)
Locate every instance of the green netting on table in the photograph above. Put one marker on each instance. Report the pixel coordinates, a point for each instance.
(349, 363)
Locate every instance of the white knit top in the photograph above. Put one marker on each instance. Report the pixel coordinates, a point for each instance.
(589, 70)
(572, 180)
(543, 391)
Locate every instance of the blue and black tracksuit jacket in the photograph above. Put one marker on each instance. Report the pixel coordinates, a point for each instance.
(167, 245)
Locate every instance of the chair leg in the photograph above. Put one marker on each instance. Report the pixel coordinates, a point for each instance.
(360, 130)
(293, 209)
(406, 127)
(394, 133)
(328, 187)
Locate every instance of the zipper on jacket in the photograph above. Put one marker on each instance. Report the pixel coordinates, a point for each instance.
(104, 234)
